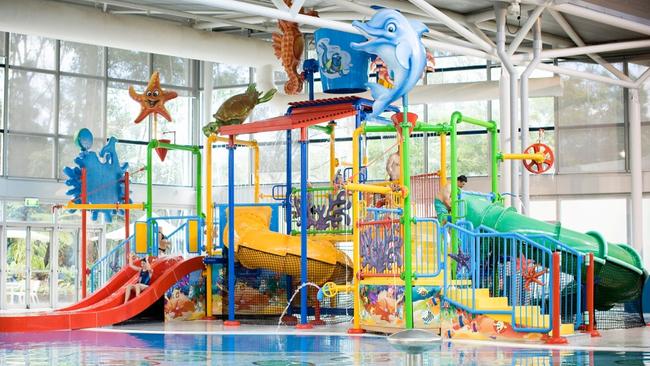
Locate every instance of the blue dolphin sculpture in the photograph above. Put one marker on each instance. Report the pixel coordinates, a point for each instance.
(397, 41)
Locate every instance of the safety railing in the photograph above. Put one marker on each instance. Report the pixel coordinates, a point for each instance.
(329, 211)
(506, 273)
(107, 266)
(571, 282)
(427, 249)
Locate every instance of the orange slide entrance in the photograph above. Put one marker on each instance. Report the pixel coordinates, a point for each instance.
(106, 306)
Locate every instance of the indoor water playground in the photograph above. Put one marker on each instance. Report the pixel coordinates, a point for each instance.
(324, 182)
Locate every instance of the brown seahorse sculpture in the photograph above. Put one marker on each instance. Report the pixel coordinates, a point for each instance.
(288, 47)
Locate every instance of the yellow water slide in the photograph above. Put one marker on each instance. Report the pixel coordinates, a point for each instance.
(257, 247)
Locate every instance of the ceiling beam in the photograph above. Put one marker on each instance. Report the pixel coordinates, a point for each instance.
(83, 24)
(455, 26)
(601, 17)
(559, 18)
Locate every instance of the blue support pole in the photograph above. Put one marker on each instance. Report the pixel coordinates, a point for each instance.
(287, 213)
(231, 231)
(303, 223)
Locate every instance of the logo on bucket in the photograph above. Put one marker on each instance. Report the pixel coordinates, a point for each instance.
(334, 61)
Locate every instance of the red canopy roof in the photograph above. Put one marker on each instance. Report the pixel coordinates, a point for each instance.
(300, 117)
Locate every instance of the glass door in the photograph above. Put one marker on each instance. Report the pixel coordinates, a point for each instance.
(66, 272)
(40, 271)
(28, 267)
(16, 267)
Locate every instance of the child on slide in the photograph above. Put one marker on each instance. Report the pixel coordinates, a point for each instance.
(144, 279)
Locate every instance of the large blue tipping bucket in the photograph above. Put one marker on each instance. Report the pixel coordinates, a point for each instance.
(342, 69)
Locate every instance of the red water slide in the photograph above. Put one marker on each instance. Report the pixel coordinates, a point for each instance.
(106, 306)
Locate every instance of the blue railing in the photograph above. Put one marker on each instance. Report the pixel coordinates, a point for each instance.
(571, 283)
(498, 267)
(107, 266)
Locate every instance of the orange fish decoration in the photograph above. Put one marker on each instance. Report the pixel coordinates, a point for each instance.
(153, 99)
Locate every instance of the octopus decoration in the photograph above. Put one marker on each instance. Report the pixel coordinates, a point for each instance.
(529, 272)
(382, 249)
(104, 179)
(288, 46)
(153, 99)
(330, 215)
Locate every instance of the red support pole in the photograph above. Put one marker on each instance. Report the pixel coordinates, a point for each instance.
(591, 328)
(127, 221)
(84, 199)
(317, 320)
(556, 338)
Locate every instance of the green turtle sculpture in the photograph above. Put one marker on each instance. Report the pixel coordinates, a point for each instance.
(237, 108)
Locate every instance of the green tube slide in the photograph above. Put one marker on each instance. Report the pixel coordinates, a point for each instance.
(619, 273)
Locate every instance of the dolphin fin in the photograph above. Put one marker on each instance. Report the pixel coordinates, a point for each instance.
(418, 27)
(403, 55)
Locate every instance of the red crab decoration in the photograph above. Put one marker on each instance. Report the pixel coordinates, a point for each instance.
(529, 272)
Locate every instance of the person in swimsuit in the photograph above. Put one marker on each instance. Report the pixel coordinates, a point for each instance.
(163, 243)
(143, 281)
(442, 202)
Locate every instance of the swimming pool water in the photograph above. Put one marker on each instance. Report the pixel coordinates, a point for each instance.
(87, 347)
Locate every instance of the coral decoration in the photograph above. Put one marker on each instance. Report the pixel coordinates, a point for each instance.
(381, 250)
(289, 46)
(153, 99)
(330, 215)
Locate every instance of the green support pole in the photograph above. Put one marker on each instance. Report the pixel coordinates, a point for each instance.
(197, 152)
(494, 166)
(150, 146)
(456, 117)
(406, 218)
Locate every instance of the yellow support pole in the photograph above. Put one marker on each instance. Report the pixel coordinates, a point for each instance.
(443, 160)
(368, 188)
(104, 206)
(355, 234)
(535, 157)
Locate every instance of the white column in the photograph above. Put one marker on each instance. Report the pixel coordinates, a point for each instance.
(207, 93)
(504, 133)
(525, 175)
(636, 170)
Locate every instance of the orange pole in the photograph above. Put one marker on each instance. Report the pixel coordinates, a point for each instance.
(591, 328)
(126, 218)
(84, 199)
(556, 338)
